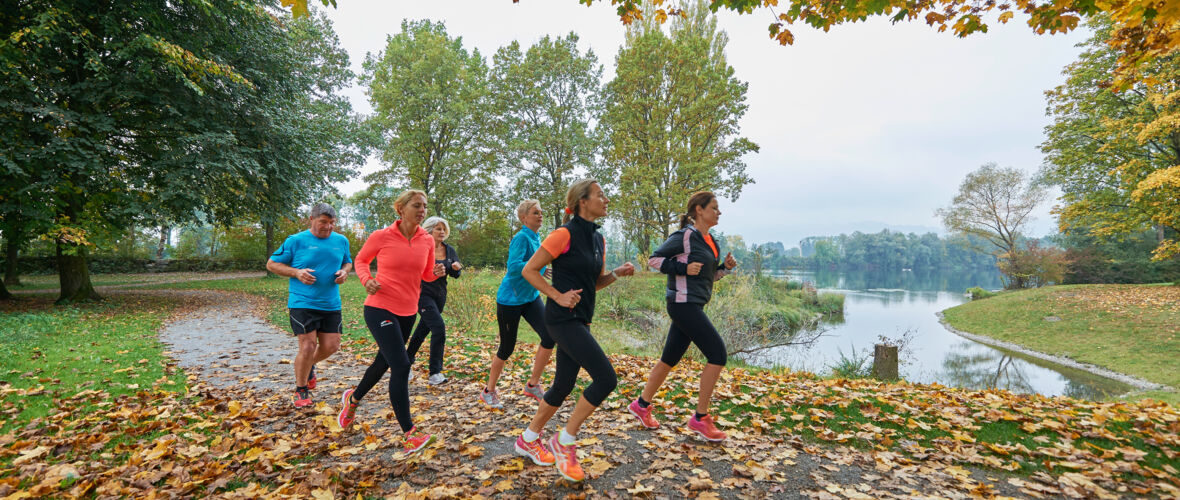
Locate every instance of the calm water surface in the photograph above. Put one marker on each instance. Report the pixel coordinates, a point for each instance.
(892, 304)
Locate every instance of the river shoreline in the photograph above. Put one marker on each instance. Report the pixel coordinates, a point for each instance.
(1131, 380)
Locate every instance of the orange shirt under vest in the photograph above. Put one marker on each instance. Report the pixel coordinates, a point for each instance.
(401, 267)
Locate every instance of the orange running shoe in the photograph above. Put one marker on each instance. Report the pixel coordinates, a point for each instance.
(705, 428)
(416, 440)
(566, 459)
(347, 410)
(535, 450)
(643, 414)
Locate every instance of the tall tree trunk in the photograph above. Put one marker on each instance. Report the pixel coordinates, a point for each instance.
(165, 236)
(1159, 234)
(12, 259)
(74, 275)
(4, 295)
(269, 227)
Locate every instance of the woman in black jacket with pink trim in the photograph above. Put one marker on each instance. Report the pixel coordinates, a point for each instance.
(691, 259)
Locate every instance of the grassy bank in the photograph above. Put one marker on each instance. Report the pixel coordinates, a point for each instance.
(1132, 329)
(629, 317)
(51, 352)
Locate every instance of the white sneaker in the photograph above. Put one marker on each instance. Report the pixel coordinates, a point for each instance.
(437, 378)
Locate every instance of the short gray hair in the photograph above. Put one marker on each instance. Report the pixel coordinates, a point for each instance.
(322, 209)
(524, 207)
(434, 221)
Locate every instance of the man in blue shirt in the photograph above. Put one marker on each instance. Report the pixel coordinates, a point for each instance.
(317, 261)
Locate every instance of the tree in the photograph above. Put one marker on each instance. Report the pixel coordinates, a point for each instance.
(995, 204)
(430, 101)
(1116, 155)
(671, 123)
(1144, 30)
(545, 102)
(147, 113)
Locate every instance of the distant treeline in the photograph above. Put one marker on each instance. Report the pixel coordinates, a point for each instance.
(886, 250)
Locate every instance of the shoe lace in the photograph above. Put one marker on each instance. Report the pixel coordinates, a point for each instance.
(303, 393)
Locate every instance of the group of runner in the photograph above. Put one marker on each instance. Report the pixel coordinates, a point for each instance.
(568, 267)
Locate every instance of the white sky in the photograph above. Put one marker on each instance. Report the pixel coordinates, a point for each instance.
(866, 126)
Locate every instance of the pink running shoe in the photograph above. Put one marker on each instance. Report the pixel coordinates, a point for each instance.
(643, 414)
(705, 428)
(416, 440)
(347, 410)
(566, 459)
(535, 450)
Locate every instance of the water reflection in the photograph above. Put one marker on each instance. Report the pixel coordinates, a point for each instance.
(890, 304)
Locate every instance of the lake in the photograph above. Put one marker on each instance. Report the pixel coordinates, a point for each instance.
(903, 305)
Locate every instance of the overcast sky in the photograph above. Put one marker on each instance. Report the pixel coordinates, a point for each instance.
(866, 126)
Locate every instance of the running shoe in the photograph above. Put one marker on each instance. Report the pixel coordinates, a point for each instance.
(347, 410)
(437, 378)
(491, 399)
(535, 450)
(534, 391)
(705, 428)
(643, 414)
(301, 398)
(416, 440)
(566, 459)
(311, 378)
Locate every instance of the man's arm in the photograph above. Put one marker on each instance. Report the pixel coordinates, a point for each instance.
(304, 276)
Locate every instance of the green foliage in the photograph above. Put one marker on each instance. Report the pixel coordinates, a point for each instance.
(162, 112)
(1128, 260)
(1114, 153)
(857, 364)
(979, 293)
(430, 101)
(545, 103)
(484, 242)
(672, 123)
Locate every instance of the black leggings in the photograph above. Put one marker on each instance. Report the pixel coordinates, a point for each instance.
(690, 324)
(387, 329)
(577, 349)
(430, 310)
(509, 319)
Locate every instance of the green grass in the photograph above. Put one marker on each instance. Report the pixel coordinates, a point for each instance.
(1132, 329)
(55, 352)
(51, 281)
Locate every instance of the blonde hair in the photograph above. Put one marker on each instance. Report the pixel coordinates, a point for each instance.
(579, 190)
(404, 199)
(434, 221)
(524, 208)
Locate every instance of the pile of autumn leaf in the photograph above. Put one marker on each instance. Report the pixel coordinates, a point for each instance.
(903, 438)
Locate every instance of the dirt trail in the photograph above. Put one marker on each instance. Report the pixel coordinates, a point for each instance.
(225, 342)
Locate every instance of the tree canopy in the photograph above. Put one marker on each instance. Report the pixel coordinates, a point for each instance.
(1142, 31)
(1116, 155)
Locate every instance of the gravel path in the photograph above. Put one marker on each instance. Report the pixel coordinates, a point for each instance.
(224, 341)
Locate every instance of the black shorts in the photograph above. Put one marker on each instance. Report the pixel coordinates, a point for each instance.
(315, 320)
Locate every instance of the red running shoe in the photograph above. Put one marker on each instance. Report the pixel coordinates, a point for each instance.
(301, 398)
(311, 378)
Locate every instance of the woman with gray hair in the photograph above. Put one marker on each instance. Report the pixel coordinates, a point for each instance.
(433, 299)
(517, 299)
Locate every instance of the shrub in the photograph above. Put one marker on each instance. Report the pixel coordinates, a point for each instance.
(979, 293)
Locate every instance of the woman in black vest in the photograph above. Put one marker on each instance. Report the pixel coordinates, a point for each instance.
(577, 254)
(691, 259)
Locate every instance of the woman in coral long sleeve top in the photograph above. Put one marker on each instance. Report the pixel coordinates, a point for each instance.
(405, 258)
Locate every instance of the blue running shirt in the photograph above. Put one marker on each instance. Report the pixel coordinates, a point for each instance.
(304, 250)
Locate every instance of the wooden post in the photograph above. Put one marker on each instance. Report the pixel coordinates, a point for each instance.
(885, 362)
